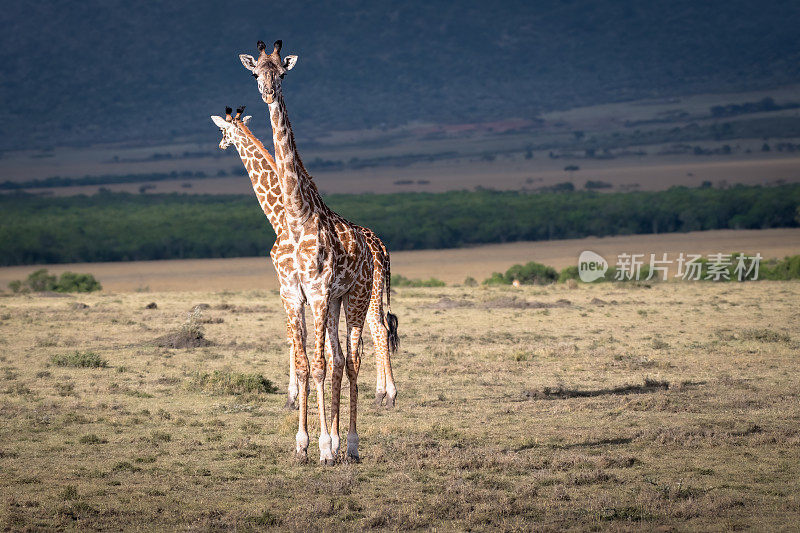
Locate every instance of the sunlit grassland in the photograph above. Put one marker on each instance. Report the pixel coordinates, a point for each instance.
(606, 407)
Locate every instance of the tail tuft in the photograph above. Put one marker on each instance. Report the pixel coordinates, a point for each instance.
(394, 339)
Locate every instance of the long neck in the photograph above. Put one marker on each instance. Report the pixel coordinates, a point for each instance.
(265, 181)
(297, 190)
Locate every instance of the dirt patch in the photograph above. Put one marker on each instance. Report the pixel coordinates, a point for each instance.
(503, 302)
(598, 301)
(79, 305)
(183, 338)
(561, 393)
(514, 302)
(450, 303)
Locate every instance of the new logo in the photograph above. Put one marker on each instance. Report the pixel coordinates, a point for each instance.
(591, 266)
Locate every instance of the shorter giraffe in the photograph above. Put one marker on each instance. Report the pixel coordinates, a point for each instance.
(261, 170)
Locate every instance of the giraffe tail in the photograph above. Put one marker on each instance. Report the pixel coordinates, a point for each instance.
(391, 318)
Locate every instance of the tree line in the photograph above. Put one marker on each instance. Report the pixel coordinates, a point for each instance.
(128, 227)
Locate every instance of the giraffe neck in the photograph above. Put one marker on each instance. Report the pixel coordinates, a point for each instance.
(300, 196)
(265, 181)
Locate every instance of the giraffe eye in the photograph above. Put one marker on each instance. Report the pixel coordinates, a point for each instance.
(255, 75)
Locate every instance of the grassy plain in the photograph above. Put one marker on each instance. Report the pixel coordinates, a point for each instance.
(604, 407)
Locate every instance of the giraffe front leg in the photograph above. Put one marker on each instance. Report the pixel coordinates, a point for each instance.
(297, 329)
(337, 369)
(318, 369)
(291, 396)
(353, 366)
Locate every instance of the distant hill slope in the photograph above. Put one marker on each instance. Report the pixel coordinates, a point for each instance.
(90, 70)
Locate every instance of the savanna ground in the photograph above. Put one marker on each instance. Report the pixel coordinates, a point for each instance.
(671, 406)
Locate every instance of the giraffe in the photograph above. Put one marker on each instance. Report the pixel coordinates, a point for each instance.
(333, 266)
(261, 169)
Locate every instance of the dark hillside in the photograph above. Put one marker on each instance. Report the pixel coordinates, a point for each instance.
(87, 71)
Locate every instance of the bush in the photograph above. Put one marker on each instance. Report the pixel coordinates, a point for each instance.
(783, 269)
(41, 281)
(567, 273)
(75, 282)
(532, 273)
(80, 359)
(219, 382)
(402, 281)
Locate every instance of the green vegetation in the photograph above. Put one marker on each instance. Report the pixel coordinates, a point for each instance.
(222, 382)
(126, 227)
(529, 274)
(80, 360)
(781, 269)
(41, 281)
(402, 281)
(771, 269)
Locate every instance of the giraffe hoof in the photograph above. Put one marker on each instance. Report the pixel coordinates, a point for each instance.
(301, 457)
(291, 405)
(327, 462)
(390, 401)
(379, 398)
(353, 458)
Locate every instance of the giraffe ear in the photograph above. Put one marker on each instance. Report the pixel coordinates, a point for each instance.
(289, 62)
(220, 122)
(246, 119)
(248, 61)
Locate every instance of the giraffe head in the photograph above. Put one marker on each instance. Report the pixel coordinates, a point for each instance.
(228, 125)
(268, 69)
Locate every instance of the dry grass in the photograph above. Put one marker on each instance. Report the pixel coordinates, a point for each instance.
(586, 415)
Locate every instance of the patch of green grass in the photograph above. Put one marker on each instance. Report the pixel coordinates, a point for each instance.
(764, 335)
(223, 382)
(69, 493)
(80, 360)
(91, 438)
(402, 281)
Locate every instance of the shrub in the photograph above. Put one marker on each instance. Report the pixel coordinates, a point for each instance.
(402, 281)
(567, 273)
(782, 269)
(75, 282)
(41, 281)
(80, 359)
(220, 382)
(532, 273)
(469, 281)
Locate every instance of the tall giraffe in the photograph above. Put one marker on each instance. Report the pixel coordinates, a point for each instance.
(333, 265)
(260, 167)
